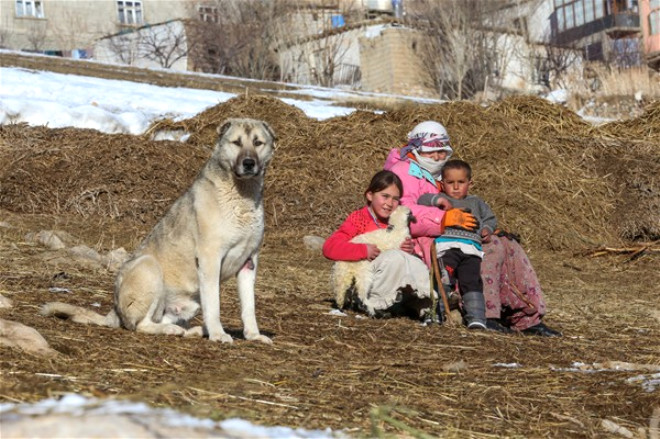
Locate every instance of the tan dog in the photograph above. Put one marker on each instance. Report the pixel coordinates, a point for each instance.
(212, 232)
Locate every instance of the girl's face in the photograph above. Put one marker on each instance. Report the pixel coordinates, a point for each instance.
(384, 202)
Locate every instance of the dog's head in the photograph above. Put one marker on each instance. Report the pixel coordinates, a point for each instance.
(244, 147)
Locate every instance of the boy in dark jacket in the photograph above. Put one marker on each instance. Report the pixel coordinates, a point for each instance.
(459, 250)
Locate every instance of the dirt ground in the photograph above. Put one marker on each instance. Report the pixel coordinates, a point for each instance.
(567, 188)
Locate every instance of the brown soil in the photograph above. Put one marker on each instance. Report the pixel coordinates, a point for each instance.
(567, 188)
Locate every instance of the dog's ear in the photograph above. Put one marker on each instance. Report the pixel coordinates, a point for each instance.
(222, 129)
(270, 130)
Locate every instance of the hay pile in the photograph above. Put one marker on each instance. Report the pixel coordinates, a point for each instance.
(549, 176)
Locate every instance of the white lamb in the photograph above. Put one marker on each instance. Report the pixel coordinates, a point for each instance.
(348, 273)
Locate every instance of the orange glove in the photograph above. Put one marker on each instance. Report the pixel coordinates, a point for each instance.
(459, 218)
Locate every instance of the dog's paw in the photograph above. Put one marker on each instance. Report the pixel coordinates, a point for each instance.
(172, 329)
(195, 331)
(259, 337)
(222, 337)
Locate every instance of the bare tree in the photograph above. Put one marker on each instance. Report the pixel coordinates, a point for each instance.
(71, 30)
(313, 48)
(233, 37)
(461, 50)
(243, 37)
(124, 47)
(625, 52)
(4, 38)
(555, 62)
(165, 43)
(36, 35)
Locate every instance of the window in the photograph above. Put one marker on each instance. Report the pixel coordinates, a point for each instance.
(589, 12)
(654, 17)
(29, 8)
(579, 14)
(600, 9)
(569, 17)
(208, 14)
(654, 22)
(130, 12)
(573, 13)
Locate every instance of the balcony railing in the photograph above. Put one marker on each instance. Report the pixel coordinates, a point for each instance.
(616, 26)
(622, 24)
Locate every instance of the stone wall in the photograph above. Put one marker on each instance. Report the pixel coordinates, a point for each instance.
(391, 62)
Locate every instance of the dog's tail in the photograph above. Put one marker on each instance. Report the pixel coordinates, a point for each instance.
(79, 314)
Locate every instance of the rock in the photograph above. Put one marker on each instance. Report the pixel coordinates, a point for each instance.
(457, 366)
(115, 258)
(5, 303)
(613, 427)
(84, 253)
(14, 334)
(52, 239)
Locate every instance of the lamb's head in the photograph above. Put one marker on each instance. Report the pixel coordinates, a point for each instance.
(401, 217)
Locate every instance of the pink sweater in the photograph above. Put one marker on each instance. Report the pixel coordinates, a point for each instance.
(338, 246)
(417, 181)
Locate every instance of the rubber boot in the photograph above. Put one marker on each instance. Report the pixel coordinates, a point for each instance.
(474, 306)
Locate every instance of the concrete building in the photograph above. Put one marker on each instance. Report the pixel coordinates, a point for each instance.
(70, 27)
(649, 12)
(605, 30)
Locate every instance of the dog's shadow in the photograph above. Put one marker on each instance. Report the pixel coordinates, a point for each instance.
(236, 334)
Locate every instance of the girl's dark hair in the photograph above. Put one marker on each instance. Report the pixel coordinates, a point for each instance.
(383, 179)
(457, 164)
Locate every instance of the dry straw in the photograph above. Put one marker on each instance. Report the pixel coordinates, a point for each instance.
(549, 176)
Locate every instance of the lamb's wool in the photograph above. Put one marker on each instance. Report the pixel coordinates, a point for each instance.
(345, 273)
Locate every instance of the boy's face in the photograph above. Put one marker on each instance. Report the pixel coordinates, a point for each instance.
(455, 183)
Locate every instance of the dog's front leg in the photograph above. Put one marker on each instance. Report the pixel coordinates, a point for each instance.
(208, 271)
(245, 280)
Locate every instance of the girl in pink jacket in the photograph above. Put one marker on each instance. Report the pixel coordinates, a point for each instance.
(511, 288)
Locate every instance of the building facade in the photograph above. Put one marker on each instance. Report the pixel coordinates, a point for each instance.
(606, 30)
(649, 11)
(66, 27)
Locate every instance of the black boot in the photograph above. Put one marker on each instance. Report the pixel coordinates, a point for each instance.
(495, 325)
(474, 306)
(541, 330)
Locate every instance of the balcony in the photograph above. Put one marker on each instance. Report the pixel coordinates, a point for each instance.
(622, 25)
(616, 26)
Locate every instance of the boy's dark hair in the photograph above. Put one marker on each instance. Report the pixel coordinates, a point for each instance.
(383, 179)
(457, 164)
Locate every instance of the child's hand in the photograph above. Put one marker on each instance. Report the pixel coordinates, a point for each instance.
(372, 251)
(408, 246)
(485, 235)
(444, 203)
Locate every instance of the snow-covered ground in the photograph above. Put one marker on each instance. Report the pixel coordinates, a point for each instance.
(75, 416)
(112, 106)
